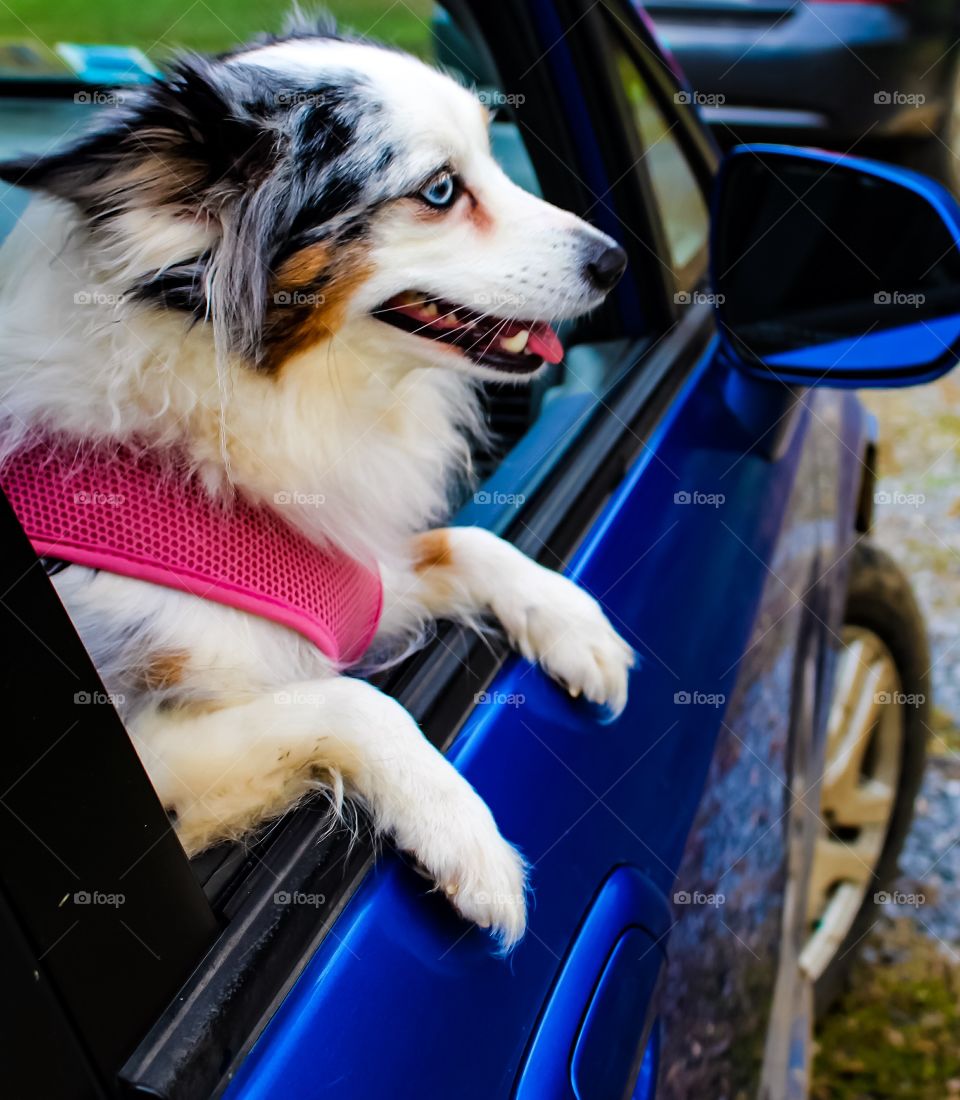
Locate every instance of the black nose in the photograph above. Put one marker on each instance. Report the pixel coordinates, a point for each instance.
(605, 269)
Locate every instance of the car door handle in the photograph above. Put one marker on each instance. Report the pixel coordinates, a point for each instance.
(588, 1043)
(608, 1051)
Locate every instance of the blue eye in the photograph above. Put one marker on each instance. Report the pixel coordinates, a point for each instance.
(440, 192)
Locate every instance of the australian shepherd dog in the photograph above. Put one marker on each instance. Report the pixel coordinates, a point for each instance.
(280, 262)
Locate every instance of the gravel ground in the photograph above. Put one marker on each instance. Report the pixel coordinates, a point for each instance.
(896, 1032)
(918, 521)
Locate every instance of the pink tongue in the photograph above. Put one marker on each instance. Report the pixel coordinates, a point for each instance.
(545, 343)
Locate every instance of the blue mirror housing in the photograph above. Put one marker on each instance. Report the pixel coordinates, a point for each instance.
(835, 271)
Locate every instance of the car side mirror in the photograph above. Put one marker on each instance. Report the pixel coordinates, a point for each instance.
(835, 271)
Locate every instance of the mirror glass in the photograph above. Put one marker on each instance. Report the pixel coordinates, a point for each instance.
(834, 268)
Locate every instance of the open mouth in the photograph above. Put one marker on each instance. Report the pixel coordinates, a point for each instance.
(489, 341)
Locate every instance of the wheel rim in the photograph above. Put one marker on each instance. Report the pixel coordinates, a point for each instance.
(858, 792)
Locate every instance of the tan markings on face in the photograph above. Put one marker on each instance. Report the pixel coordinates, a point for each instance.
(432, 550)
(304, 266)
(309, 299)
(164, 670)
(479, 214)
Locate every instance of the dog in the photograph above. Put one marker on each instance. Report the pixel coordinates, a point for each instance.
(279, 262)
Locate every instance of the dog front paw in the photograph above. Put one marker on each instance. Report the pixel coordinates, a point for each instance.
(491, 892)
(563, 628)
(481, 874)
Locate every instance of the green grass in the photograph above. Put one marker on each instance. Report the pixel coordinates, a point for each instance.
(158, 26)
(894, 1034)
(944, 735)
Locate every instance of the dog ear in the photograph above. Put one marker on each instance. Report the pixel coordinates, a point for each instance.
(182, 141)
(59, 173)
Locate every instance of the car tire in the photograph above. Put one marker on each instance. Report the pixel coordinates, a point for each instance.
(880, 600)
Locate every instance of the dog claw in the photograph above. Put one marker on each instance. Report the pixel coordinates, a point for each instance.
(452, 890)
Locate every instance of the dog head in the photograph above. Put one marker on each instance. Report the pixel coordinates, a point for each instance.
(310, 188)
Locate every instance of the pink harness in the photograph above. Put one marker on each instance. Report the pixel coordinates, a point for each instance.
(126, 512)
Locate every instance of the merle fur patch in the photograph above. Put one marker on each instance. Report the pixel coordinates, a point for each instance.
(269, 162)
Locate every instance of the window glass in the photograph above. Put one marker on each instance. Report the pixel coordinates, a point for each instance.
(683, 211)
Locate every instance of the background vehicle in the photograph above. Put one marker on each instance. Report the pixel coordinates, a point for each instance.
(880, 77)
(712, 499)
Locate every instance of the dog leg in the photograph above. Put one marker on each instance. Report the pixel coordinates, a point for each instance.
(224, 771)
(465, 572)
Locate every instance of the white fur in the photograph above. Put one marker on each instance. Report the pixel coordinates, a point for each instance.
(356, 440)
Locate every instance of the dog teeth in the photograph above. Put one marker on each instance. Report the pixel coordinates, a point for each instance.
(516, 343)
(450, 320)
(430, 310)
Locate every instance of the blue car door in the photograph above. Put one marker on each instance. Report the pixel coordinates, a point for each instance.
(659, 843)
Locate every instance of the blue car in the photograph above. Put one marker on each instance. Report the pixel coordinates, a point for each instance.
(704, 866)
